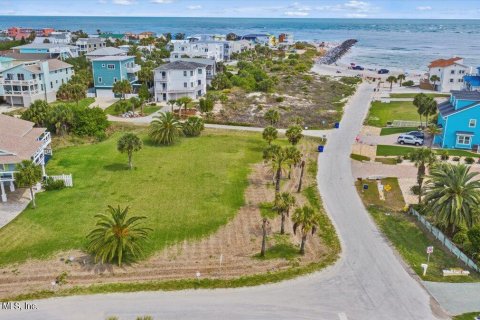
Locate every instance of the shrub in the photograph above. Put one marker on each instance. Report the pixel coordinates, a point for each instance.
(279, 99)
(415, 189)
(90, 122)
(456, 159)
(469, 160)
(399, 159)
(193, 126)
(474, 237)
(350, 80)
(408, 83)
(122, 106)
(51, 184)
(444, 155)
(460, 238)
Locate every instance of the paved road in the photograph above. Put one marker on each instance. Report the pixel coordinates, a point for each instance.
(368, 282)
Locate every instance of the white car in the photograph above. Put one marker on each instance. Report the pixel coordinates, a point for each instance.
(409, 139)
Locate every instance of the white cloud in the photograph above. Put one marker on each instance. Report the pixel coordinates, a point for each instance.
(359, 6)
(296, 13)
(356, 15)
(352, 8)
(194, 7)
(124, 2)
(161, 1)
(424, 8)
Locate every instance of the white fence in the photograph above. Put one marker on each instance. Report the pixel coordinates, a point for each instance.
(403, 123)
(446, 242)
(67, 179)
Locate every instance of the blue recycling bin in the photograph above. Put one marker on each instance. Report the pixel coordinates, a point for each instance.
(337, 125)
(365, 187)
(320, 148)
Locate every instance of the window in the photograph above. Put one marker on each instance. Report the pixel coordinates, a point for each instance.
(463, 139)
(63, 81)
(103, 65)
(39, 77)
(451, 80)
(115, 79)
(185, 85)
(66, 71)
(452, 72)
(199, 71)
(460, 80)
(20, 76)
(191, 72)
(111, 66)
(34, 76)
(191, 84)
(55, 71)
(199, 82)
(184, 73)
(51, 85)
(472, 123)
(100, 79)
(164, 74)
(41, 87)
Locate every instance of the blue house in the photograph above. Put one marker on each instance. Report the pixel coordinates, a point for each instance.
(110, 69)
(459, 117)
(472, 81)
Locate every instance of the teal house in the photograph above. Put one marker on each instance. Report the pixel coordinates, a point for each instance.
(459, 119)
(110, 69)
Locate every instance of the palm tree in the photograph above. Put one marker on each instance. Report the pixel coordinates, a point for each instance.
(433, 130)
(272, 116)
(434, 78)
(116, 237)
(423, 158)
(77, 92)
(307, 220)
(184, 101)
(418, 101)
(391, 80)
(193, 126)
(136, 103)
(294, 134)
(172, 103)
(165, 129)
(429, 108)
(453, 196)
(28, 175)
(295, 157)
(133, 50)
(269, 134)
(122, 87)
(300, 180)
(400, 78)
(279, 162)
(283, 203)
(264, 235)
(128, 144)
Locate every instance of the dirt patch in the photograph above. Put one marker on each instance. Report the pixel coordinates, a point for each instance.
(228, 253)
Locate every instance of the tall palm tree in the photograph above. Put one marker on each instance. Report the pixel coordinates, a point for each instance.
(165, 129)
(269, 134)
(391, 80)
(294, 134)
(429, 108)
(422, 158)
(434, 78)
(418, 101)
(307, 220)
(117, 237)
(283, 203)
(272, 116)
(122, 87)
(400, 78)
(28, 175)
(433, 130)
(453, 196)
(295, 157)
(128, 144)
(279, 162)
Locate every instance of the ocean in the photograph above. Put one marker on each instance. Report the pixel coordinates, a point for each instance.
(391, 43)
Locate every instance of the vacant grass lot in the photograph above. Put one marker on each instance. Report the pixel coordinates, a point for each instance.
(387, 150)
(412, 95)
(381, 113)
(467, 316)
(186, 191)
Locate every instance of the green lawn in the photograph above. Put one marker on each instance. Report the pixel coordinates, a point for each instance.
(387, 150)
(412, 95)
(381, 113)
(186, 191)
(391, 161)
(467, 316)
(148, 110)
(359, 157)
(396, 130)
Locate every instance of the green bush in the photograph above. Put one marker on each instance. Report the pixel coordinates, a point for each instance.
(456, 159)
(444, 155)
(408, 83)
(474, 237)
(469, 160)
(460, 238)
(279, 99)
(51, 184)
(415, 189)
(122, 106)
(399, 159)
(90, 122)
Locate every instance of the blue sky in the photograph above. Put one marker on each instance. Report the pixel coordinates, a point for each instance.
(441, 9)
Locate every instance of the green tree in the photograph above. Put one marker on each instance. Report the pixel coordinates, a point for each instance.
(122, 87)
(144, 95)
(60, 118)
(269, 134)
(283, 203)
(193, 126)
(184, 101)
(77, 92)
(294, 134)
(419, 102)
(279, 162)
(434, 78)
(136, 103)
(391, 80)
(474, 238)
(129, 143)
(221, 81)
(172, 103)
(37, 113)
(305, 219)
(205, 105)
(272, 116)
(429, 108)
(28, 175)
(433, 130)
(400, 78)
(294, 156)
(165, 129)
(117, 238)
(422, 158)
(90, 122)
(452, 196)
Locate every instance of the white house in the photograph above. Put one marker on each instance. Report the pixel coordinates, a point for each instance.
(56, 37)
(211, 66)
(86, 45)
(65, 51)
(198, 49)
(24, 83)
(450, 72)
(180, 79)
(105, 52)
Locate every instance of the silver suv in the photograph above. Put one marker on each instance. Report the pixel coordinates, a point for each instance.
(409, 139)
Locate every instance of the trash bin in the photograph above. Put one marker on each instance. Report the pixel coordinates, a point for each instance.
(320, 148)
(337, 125)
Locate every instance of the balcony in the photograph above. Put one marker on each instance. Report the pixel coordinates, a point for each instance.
(18, 82)
(20, 93)
(134, 69)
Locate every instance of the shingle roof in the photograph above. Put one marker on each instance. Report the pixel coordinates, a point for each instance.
(466, 95)
(107, 51)
(204, 61)
(53, 64)
(43, 46)
(181, 65)
(446, 108)
(440, 63)
(112, 58)
(28, 56)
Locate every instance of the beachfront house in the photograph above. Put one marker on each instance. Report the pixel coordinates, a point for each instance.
(210, 65)
(110, 69)
(105, 52)
(86, 45)
(450, 72)
(180, 79)
(22, 84)
(198, 49)
(262, 39)
(18, 33)
(459, 118)
(63, 50)
(472, 81)
(56, 37)
(20, 140)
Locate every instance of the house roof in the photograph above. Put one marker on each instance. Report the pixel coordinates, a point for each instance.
(91, 40)
(204, 61)
(42, 46)
(28, 56)
(181, 65)
(441, 63)
(466, 95)
(113, 58)
(53, 64)
(446, 108)
(107, 51)
(18, 138)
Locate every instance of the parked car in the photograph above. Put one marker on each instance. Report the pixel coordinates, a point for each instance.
(418, 134)
(383, 71)
(408, 139)
(358, 68)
